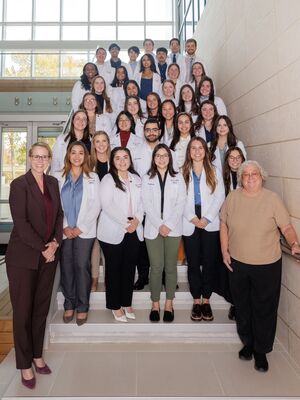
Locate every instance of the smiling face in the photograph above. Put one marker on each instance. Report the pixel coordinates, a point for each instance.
(132, 55)
(151, 132)
(120, 74)
(173, 72)
(89, 103)
(39, 159)
(99, 85)
(175, 46)
(251, 179)
(146, 62)
(234, 160)
(190, 48)
(197, 151)
(124, 123)
(114, 52)
(197, 70)
(132, 106)
(207, 112)
(80, 121)
(161, 57)
(132, 90)
(168, 89)
(148, 46)
(168, 111)
(222, 127)
(90, 71)
(152, 102)
(121, 161)
(205, 88)
(100, 143)
(184, 125)
(76, 156)
(187, 94)
(101, 56)
(161, 159)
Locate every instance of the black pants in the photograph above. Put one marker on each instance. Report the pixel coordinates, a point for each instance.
(120, 262)
(30, 293)
(75, 268)
(256, 291)
(202, 247)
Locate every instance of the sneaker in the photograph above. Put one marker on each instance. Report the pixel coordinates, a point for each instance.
(246, 353)
(196, 314)
(261, 362)
(207, 314)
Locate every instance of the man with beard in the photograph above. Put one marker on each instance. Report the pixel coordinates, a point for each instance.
(191, 58)
(142, 161)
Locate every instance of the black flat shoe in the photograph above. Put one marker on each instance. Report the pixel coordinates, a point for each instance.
(168, 316)
(154, 316)
(231, 313)
(246, 353)
(261, 362)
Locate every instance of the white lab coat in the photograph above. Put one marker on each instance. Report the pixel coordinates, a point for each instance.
(133, 143)
(77, 94)
(90, 205)
(113, 220)
(180, 60)
(103, 123)
(211, 204)
(174, 200)
(58, 154)
(156, 85)
(217, 161)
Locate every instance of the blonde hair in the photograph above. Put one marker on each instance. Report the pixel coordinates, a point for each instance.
(40, 144)
(93, 150)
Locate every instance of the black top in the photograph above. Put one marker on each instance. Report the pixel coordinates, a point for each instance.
(163, 70)
(162, 183)
(234, 179)
(100, 101)
(209, 136)
(101, 169)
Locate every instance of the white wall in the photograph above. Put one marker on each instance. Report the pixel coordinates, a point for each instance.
(252, 51)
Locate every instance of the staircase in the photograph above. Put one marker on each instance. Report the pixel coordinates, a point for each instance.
(101, 327)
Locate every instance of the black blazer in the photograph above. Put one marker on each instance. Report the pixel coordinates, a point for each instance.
(29, 217)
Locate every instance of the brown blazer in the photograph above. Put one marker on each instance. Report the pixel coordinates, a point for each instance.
(29, 217)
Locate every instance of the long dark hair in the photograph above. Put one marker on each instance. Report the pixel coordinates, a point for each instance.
(71, 137)
(86, 169)
(153, 169)
(200, 119)
(85, 83)
(226, 167)
(116, 82)
(211, 95)
(203, 69)
(158, 102)
(131, 119)
(113, 170)
(176, 136)
(231, 138)
(162, 119)
(97, 111)
(181, 105)
(134, 83)
(152, 61)
(211, 180)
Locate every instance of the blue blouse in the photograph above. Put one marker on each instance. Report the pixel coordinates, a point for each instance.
(197, 194)
(71, 196)
(146, 87)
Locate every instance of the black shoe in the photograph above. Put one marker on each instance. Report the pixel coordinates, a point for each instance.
(154, 316)
(231, 312)
(207, 314)
(168, 316)
(246, 353)
(261, 362)
(140, 284)
(196, 314)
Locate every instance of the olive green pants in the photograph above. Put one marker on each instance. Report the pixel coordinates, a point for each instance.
(162, 253)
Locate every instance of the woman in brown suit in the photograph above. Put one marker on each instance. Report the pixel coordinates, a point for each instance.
(31, 259)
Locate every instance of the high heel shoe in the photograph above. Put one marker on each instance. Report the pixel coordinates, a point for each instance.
(29, 383)
(129, 315)
(45, 370)
(122, 318)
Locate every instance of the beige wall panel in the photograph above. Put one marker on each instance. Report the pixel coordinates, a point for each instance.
(288, 50)
(287, 12)
(284, 305)
(289, 83)
(293, 312)
(294, 346)
(291, 196)
(282, 333)
(290, 159)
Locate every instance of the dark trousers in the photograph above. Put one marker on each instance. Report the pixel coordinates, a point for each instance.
(256, 291)
(120, 262)
(76, 273)
(143, 263)
(30, 293)
(202, 247)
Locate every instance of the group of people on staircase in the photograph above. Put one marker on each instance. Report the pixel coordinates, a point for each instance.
(150, 160)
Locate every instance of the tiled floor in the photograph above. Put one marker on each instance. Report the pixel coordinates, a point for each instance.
(155, 370)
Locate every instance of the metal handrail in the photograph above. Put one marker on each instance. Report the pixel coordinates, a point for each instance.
(287, 249)
(2, 260)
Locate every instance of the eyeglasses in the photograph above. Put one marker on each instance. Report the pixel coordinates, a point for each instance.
(148, 130)
(124, 120)
(251, 175)
(237, 158)
(161, 156)
(37, 157)
(90, 100)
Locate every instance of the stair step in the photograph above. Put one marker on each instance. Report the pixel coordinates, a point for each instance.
(101, 327)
